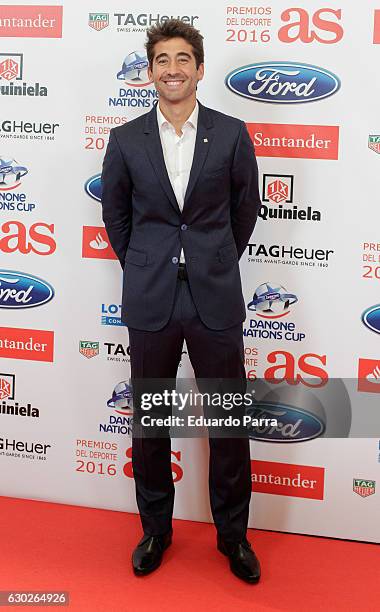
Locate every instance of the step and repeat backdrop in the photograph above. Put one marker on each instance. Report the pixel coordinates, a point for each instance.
(305, 81)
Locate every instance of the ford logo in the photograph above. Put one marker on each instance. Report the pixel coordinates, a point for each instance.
(371, 318)
(282, 82)
(293, 424)
(93, 187)
(19, 290)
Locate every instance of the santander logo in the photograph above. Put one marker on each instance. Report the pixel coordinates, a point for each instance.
(291, 140)
(288, 479)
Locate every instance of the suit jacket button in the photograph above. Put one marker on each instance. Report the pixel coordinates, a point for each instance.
(183, 226)
(175, 260)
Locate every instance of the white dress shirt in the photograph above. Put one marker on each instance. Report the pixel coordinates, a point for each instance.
(178, 153)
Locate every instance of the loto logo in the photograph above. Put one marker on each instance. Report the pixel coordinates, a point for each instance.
(303, 141)
(307, 29)
(19, 290)
(31, 344)
(288, 479)
(31, 21)
(15, 237)
(282, 82)
(95, 243)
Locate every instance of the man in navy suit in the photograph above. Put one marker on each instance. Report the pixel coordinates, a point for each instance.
(180, 201)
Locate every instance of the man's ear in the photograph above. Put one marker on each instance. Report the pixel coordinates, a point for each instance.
(200, 71)
(150, 73)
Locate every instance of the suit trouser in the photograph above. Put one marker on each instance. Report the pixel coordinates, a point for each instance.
(213, 354)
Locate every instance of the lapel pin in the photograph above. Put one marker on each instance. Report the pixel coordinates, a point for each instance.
(205, 140)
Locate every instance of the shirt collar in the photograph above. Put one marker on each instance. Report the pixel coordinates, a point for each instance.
(192, 119)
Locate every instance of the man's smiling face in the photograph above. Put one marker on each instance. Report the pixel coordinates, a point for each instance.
(174, 70)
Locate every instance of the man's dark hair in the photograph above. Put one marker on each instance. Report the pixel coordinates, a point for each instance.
(175, 28)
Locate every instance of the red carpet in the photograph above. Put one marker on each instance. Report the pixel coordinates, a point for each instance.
(47, 546)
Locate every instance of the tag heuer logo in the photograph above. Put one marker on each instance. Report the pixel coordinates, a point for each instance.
(364, 488)
(98, 21)
(88, 349)
(374, 142)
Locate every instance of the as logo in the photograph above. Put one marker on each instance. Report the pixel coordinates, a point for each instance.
(303, 370)
(16, 237)
(177, 471)
(363, 487)
(322, 26)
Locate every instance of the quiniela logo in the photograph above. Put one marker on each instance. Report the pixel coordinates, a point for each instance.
(278, 191)
(11, 73)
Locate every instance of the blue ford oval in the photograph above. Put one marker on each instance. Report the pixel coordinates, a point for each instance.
(371, 318)
(93, 187)
(282, 82)
(19, 290)
(294, 424)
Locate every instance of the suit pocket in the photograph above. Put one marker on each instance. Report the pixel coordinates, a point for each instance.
(228, 252)
(224, 170)
(138, 258)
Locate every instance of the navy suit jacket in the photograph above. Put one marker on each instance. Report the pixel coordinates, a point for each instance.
(147, 229)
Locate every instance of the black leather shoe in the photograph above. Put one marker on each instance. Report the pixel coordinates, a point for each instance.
(148, 554)
(243, 561)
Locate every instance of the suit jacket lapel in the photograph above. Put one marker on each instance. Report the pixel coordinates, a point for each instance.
(202, 146)
(156, 155)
